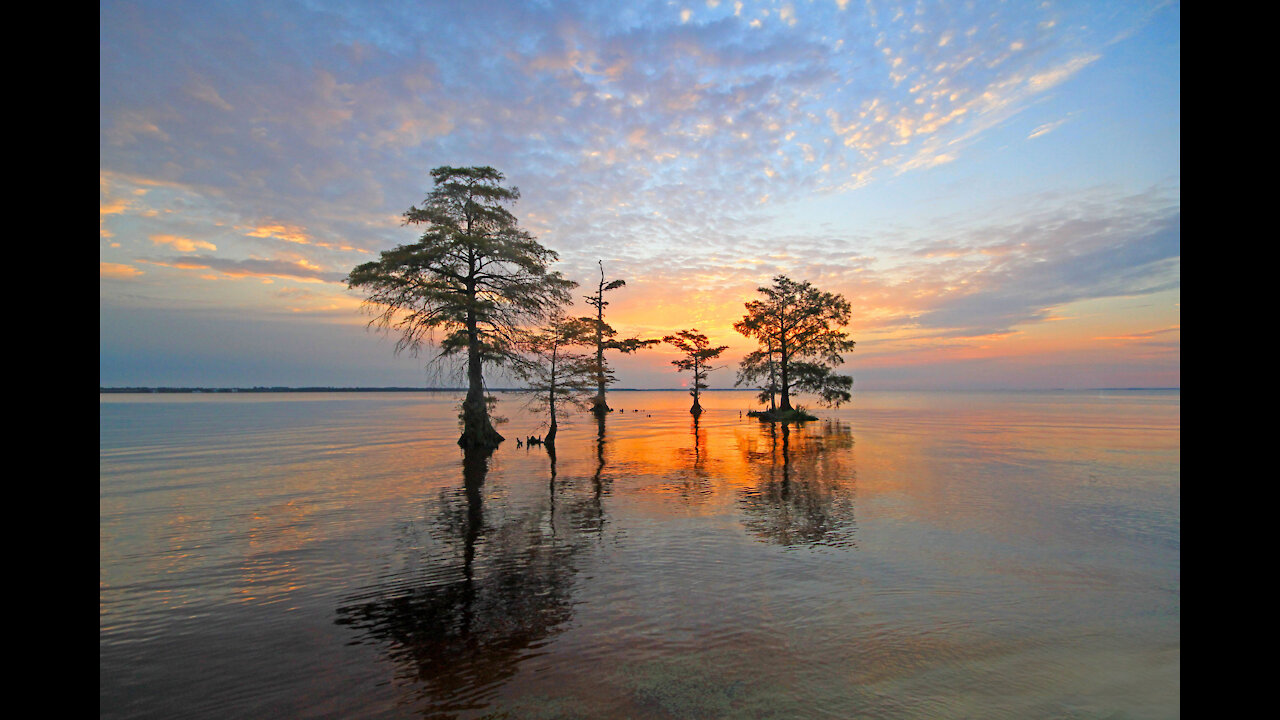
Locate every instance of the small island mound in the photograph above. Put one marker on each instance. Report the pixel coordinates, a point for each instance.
(783, 416)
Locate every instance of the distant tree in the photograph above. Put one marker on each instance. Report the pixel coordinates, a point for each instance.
(797, 327)
(698, 355)
(606, 338)
(474, 275)
(558, 376)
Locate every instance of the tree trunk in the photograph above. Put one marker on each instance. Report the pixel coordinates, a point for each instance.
(697, 407)
(551, 433)
(598, 404)
(773, 382)
(477, 430)
(782, 369)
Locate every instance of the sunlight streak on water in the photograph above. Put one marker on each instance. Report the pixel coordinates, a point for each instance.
(911, 555)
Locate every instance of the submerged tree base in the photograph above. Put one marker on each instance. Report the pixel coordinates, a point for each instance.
(480, 438)
(478, 432)
(782, 416)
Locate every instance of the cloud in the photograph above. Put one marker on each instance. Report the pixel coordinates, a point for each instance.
(1018, 272)
(556, 103)
(299, 270)
(1045, 129)
(1056, 75)
(1146, 336)
(131, 127)
(117, 271)
(201, 90)
(298, 236)
(637, 133)
(182, 244)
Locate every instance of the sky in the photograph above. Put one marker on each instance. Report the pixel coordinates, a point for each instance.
(994, 186)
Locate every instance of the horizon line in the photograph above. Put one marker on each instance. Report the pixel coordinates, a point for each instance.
(394, 388)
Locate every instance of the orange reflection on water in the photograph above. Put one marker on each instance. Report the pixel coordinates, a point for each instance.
(971, 540)
(783, 484)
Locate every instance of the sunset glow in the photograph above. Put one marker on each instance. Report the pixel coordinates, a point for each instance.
(995, 188)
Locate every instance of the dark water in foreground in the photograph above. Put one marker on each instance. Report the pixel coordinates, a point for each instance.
(984, 555)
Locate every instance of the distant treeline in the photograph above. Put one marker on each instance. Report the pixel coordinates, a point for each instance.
(112, 390)
(278, 389)
(262, 389)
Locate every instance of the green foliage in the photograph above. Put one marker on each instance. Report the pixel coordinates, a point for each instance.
(797, 328)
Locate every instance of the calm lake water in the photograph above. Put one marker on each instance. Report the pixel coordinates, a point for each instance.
(912, 555)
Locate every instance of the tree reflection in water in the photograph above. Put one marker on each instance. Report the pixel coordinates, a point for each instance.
(598, 489)
(502, 589)
(495, 581)
(802, 493)
(584, 498)
(692, 478)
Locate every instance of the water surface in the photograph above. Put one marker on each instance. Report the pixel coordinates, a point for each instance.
(910, 555)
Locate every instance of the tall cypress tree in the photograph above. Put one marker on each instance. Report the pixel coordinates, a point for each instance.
(474, 276)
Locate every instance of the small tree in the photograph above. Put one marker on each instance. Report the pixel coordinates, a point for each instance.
(606, 338)
(557, 376)
(474, 275)
(698, 357)
(797, 327)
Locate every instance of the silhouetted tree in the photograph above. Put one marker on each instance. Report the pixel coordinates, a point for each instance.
(698, 355)
(474, 275)
(796, 325)
(606, 338)
(558, 376)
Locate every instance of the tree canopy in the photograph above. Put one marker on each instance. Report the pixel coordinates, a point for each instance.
(558, 376)
(468, 285)
(797, 327)
(698, 355)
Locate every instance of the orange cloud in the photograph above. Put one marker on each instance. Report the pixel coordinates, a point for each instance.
(298, 271)
(117, 271)
(298, 236)
(1141, 335)
(182, 244)
(287, 233)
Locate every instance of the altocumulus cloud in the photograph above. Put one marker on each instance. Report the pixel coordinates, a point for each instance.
(286, 269)
(665, 139)
(607, 115)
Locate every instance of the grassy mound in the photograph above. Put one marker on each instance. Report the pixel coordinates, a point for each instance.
(797, 414)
